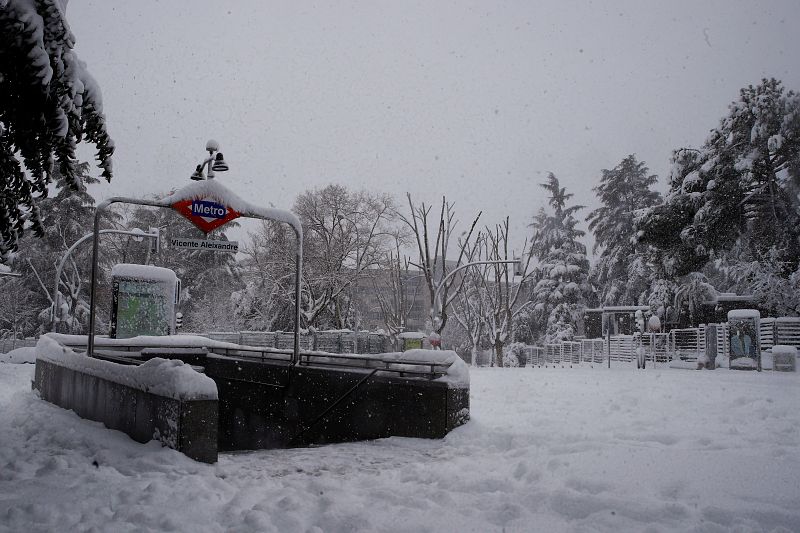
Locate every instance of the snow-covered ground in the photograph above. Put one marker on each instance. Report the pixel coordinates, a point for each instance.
(579, 449)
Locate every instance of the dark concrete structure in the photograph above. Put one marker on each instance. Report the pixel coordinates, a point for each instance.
(266, 403)
(189, 426)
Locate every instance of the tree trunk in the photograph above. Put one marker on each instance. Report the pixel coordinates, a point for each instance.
(498, 353)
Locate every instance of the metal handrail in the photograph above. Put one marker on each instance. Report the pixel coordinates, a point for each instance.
(433, 370)
(252, 212)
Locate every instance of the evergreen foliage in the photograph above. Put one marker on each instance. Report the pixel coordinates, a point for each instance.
(735, 201)
(740, 186)
(48, 103)
(621, 273)
(563, 271)
(67, 216)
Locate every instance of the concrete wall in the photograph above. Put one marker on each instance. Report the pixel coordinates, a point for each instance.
(189, 426)
(264, 404)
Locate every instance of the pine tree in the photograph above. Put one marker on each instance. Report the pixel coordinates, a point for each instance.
(621, 273)
(740, 185)
(735, 199)
(48, 103)
(563, 270)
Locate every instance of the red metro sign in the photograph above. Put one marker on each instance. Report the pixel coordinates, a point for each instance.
(206, 214)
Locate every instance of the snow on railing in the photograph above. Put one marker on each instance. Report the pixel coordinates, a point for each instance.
(656, 346)
(571, 351)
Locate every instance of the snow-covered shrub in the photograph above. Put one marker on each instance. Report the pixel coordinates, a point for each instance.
(513, 355)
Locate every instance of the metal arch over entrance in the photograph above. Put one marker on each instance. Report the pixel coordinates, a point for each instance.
(202, 191)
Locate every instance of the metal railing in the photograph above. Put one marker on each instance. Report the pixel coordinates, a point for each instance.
(400, 367)
(325, 341)
(687, 344)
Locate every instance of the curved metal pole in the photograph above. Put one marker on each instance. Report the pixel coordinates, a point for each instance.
(69, 252)
(462, 267)
(95, 249)
(280, 216)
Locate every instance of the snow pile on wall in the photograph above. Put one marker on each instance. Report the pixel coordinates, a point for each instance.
(457, 371)
(173, 379)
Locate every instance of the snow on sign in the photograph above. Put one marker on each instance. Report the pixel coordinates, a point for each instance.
(205, 213)
(203, 244)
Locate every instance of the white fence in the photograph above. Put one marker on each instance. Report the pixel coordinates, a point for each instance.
(679, 344)
(686, 344)
(786, 330)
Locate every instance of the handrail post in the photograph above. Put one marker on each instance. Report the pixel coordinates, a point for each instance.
(93, 291)
(297, 281)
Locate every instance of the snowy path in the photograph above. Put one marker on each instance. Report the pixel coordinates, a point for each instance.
(547, 450)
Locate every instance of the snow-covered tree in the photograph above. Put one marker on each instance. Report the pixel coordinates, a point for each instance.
(776, 293)
(67, 216)
(433, 247)
(513, 355)
(395, 290)
(621, 273)
(48, 103)
(468, 310)
(737, 192)
(469, 307)
(345, 233)
(18, 311)
(266, 303)
(563, 271)
(739, 185)
(661, 298)
(691, 292)
(504, 291)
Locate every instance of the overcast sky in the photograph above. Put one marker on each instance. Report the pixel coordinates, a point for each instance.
(473, 100)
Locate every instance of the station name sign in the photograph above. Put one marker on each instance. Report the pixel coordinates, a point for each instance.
(205, 213)
(203, 244)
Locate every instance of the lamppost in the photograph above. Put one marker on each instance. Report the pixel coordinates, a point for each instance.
(136, 233)
(215, 163)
